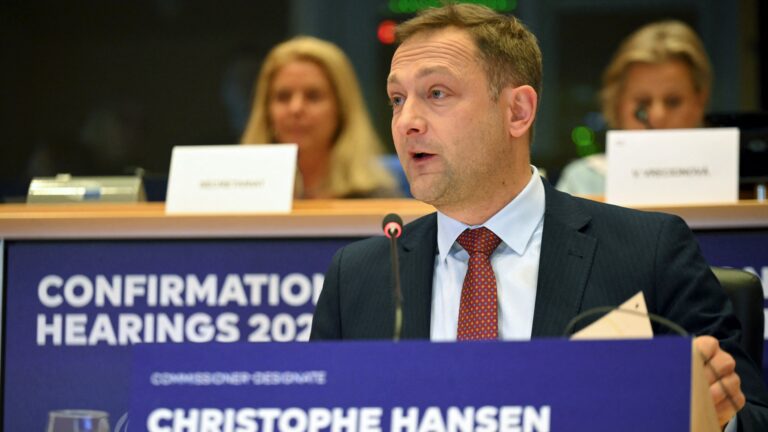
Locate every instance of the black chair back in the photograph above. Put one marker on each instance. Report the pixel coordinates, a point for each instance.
(746, 293)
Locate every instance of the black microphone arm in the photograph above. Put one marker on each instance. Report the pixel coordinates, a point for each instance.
(671, 325)
(393, 228)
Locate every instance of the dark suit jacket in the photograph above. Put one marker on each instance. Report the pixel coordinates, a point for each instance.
(592, 254)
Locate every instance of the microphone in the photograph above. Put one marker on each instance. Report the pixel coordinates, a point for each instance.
(392, 225)
(641, 115)
(393, 228)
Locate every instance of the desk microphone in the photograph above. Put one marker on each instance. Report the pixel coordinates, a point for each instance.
(393, 228)
(641, 115)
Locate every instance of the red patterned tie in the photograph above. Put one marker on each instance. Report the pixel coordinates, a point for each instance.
(478, 313)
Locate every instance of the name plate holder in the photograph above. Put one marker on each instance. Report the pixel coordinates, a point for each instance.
(540, 385)
(231, 179)
(673, 166)
(65, 188)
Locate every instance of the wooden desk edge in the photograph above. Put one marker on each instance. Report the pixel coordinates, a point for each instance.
(319, 218)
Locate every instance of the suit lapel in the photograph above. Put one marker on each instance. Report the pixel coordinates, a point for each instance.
(565, 263)
(417, 264)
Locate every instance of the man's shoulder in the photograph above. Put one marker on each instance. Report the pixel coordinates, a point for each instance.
(607, 210)
(603, 214)
(569, 204)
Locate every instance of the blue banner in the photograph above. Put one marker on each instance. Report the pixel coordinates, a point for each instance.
(540, 385)
(75, 309)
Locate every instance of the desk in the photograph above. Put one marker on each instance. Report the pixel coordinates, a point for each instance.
(84, 282)
(320, 218)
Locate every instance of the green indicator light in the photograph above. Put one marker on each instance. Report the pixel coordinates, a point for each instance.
(584, 138)
(507, 5)
(413, 6)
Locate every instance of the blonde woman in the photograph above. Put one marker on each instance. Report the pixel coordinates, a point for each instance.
(307, 93)
(660, 78)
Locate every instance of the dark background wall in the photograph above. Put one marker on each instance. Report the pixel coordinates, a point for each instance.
(106, 86)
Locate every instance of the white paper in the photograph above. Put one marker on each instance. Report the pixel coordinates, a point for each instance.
(231, 179)
(628, 321)
(673, 166)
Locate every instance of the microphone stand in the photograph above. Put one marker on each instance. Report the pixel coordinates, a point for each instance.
(393, 228)
(396, 288)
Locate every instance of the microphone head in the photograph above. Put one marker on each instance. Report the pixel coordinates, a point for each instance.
(392, 225)
(641, 114)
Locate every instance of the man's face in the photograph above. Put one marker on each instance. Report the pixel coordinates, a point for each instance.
(449, 134)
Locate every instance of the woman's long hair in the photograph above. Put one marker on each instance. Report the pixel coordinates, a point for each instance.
(354, 169)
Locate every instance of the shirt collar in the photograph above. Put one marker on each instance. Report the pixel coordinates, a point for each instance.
(514, 224)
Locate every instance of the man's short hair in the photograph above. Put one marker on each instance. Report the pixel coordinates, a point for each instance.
(509, 51)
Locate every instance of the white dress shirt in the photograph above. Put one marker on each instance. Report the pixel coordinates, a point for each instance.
(515, 263)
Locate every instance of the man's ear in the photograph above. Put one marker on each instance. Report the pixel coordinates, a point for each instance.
(520, 109)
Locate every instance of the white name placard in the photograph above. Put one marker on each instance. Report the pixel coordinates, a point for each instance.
(673, 166)
(231, 179)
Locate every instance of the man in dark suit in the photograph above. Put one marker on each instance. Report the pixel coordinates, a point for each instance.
(507, 256)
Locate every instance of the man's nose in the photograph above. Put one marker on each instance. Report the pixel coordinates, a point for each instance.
(410, 120)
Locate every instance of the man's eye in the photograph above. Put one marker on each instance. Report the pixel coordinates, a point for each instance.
(396, 101)
(436, 94)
